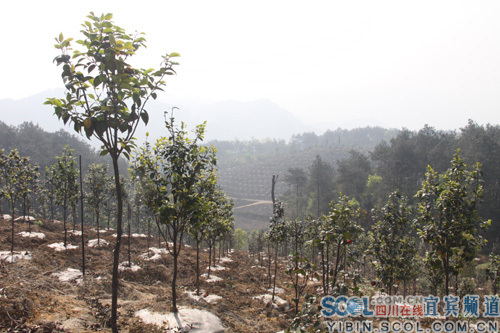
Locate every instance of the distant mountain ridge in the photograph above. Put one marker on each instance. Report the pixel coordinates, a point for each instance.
(254, 139)
(226, 120)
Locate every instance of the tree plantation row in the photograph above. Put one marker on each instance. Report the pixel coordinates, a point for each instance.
(178, 186)
(430, 247)
(377, 222)
(400, 164)
(106, 99)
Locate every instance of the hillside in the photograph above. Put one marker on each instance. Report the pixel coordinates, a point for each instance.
(36, 296)
(246, 167)
(42, 147)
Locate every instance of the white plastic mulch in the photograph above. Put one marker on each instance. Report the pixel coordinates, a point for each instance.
(60, 246)
(156, 254)
(133, 235)
(277, 290)
(278, 301)
(192, 320)
(93, 242)
(211, 299)
(213, 278)
(125, 267)
(39, 235)
(70, 274)
(13, 257)
(170, 244)
(24, 218)
(217, 268)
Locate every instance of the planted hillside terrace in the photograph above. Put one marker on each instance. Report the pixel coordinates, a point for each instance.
(45, 290)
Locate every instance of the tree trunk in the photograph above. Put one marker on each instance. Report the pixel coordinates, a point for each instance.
(97, 226)
(149, 233)
(209, 259)
(12, 211)
(197, 266)
(215, 254)
(174, 280)
(27, 213)
(129, 234)
(328, 268)
(269, 256)
(74, 216)
(116, 253)
(446, 274)
(52, 209)
(81, 217)
(323, 270)
(336, 265)
(275, 272)
(64, 220)
(176, 250)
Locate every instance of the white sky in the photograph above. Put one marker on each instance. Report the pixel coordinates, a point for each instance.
(346, 63)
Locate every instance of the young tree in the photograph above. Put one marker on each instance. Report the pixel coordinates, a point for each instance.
(240, 239)
(493, 271)
(97, 181)
(106, 99)
(172, 173)
(391, 243)
(448, 217)
(201, 219)
(47, 191)
(221, 225)
(17, 174)
(66, 183)
(27, 183)
(276, 235)
(341, 228)
(299, 267)
(11, 170)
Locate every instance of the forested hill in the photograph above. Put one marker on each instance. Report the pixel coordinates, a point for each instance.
(246, 167)
(364, 164)
(43, 147)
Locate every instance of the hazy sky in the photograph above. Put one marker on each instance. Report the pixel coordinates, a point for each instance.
(342, 63)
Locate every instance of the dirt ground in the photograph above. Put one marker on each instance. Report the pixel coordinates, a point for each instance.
(32, 299)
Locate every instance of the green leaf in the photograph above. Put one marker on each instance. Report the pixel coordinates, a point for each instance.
(87, 123)
(145, 117)
(96, 82)
(89, 132)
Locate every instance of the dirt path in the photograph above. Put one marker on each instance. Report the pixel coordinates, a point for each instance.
(254, 203)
